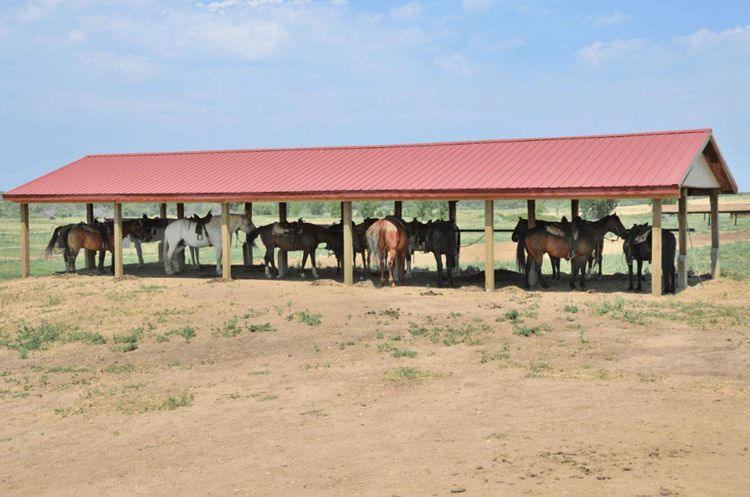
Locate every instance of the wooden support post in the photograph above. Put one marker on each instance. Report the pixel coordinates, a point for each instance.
(348, 263)
(398, 208)
(25, 253)
(714, 219)
(181, 256)
(574, 209)
(531, 212)
(163, 215)
(452, 211)
(90, 254)
(119, 272)
(656, 247)
(341, 212)
(682, 277)
(489, 245)
(247, 248)
(226, 243)
(283, 256)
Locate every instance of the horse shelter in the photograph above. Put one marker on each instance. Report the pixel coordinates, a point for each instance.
(656, 166)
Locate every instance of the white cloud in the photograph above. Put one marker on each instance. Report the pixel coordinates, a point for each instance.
(605, 20)
(491, 44)
(407, 11)
(37, 9)
(455, 63)
(478, 4)
(339, 2)
(250, 40)
(134, 67)
(706, 37)
(75, 37)
(600, 52)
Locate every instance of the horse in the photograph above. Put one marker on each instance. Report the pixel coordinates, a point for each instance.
(388, 239)
(551, 240)
(294, 236)
(97, 237)
(444, 238)
(637, 246)
(184, 232)
(519, 232)
(154, 231)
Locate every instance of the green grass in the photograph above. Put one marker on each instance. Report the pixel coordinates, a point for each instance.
(468, 333)
(128, 341)
(405, 373)
(43, 335)
(306, 317)
(147, 404)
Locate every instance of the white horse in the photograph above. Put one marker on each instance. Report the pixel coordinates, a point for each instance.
(155, 233)
(182, 233)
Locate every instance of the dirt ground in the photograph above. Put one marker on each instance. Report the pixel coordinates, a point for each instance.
(302, 388)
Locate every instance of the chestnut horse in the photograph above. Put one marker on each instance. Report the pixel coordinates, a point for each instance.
(540, 241)
(97, 237)
(388, 239)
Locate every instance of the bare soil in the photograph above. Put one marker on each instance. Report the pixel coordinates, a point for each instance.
(610, 394)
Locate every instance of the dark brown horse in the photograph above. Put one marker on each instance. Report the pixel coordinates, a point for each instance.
(289, 237)
(388, 239)
(637, 246)
(97, 237)
(540, 240)
(518, 235)
(359, 242)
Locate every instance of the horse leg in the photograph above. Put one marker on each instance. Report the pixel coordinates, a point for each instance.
(450, 263)
(527, 270)
(439, 262)
(112, 269)
(139, 252)
(583, 278)
(630, 275)
(314, 264)
(218, 258)
(304, 261)
(281, 270)
(100, 267)
(556, 268)
(574, 272)
(640, 266)
(408, 268)
(382, 261)
(393, 263)
(539, 274)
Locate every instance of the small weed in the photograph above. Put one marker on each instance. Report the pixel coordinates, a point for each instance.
(229, 329)
(570, 308)
(129, 341)
(397, 353)
(315, 413)
(407, 374)
(306, 317)
(511, 315)
(392, 313)
(120, 368)
(187, 332)
(526, 331)
(261, 328)
(501, 355)
(538, 367)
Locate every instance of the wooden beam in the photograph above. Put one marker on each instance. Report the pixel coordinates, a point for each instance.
(25, 252)
(452, 211)
(531, 212)
(348, 263)
(656, 248)
(682, 277)
(283, 256)
(226, 243)
(715, 266)
(398, 208)
(163, 211)
(574, 207)
(90, 254)
(119, 271)
(489, 245)
(160, 246)
(181, 255)
(247, 248)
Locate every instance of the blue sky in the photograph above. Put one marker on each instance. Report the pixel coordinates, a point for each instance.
(92, 76)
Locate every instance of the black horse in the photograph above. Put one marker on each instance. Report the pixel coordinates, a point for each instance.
(444, 238)
(637, 245)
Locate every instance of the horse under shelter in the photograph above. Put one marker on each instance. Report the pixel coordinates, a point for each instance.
(655, 165)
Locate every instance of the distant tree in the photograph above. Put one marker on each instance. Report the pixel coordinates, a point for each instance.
(597, 209)
(367, 208)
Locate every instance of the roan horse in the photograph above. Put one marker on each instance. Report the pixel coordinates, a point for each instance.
(184, 232)
(637, 246)
(98, 237)
(539, 241)
(294, 236)
(388, 239)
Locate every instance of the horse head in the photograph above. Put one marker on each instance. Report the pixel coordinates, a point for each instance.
(521, 227)
(615, 226)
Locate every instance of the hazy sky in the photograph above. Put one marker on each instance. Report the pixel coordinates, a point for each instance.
(91, 76)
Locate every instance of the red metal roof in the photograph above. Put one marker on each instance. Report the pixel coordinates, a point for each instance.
(642, 164)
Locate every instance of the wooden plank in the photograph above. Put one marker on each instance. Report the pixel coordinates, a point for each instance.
(682, 278)
(489, 245)
(398, 208)
(90, 254)
(656, 269)
(226, 243)
(715, 266)
(574, 209)
(163, 211)
(531, 212)
(452, 211)
(181, 255)
(25, 250)
(283, 256)
(348, 263)
(119, 271)
(247, 248)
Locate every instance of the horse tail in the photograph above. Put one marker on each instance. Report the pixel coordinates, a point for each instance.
(521, 253)
(59, 239)
(250, 238)
(372, 236)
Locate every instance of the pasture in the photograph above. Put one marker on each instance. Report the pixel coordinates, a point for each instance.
(194, 386)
